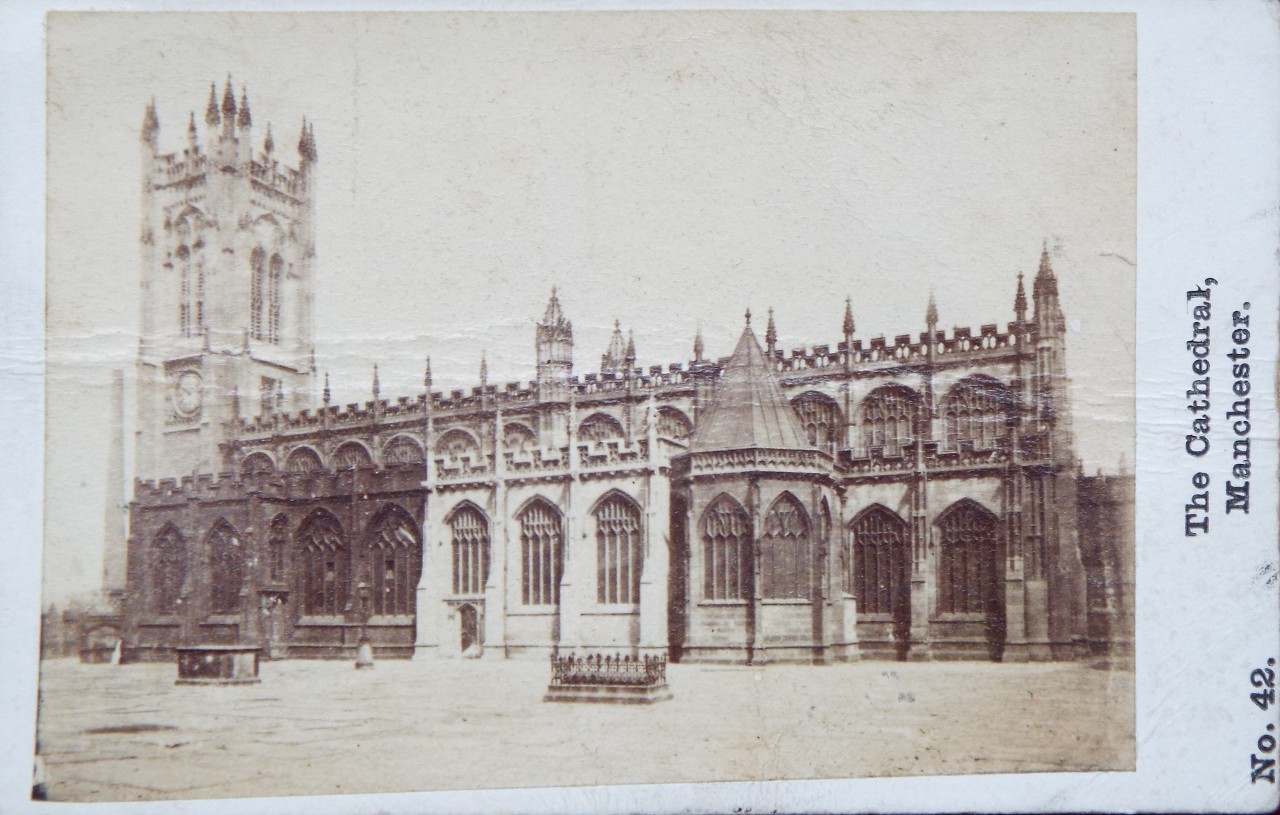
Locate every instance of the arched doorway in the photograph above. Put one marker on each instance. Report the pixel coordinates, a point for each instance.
(471, 639)
(971, 569)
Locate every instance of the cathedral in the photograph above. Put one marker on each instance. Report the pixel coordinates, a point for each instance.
(913, 497)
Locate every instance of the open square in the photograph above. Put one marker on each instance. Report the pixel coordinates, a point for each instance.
(126, 733)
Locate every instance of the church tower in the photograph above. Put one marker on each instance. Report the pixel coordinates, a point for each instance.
(555, 351)
(228, 254)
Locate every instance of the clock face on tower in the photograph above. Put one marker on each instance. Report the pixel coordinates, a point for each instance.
(187, 394)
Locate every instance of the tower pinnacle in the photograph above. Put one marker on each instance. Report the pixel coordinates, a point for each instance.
(325, 394)
(848, 317)
(1020, 301)
(931, 313)
(426, 374)
(771, 334)
(376, 389)
(697, 344)
(244, 120)
(150, 122)
(228, 101)
(211, 117)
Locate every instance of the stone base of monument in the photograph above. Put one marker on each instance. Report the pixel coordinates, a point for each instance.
(610, 680)
(217, 665)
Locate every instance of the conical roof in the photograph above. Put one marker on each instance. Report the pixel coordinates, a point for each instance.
(747, 407)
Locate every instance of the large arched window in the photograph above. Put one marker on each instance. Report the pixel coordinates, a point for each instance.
(326, 567)
(600, 427)
(470, 530)
(457, 442)
(880, 563)
(401, 451)
(257, 464)
(541, 554)
(970, 568)
(518, 438)
(395, 562)
(977, 409)
(784, 551)
(726, 551)
(619, 550)
(277, 543)
(351, 456)
(822, 420)
(186, 314)
(226, 569)
(258, 293)
(273, 299)
(168, 570)
(673, 424)
(303, 460)
(888, 416)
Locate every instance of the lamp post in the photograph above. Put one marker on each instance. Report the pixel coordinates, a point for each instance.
(364, 648)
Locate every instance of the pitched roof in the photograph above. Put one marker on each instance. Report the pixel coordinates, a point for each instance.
(747, 408)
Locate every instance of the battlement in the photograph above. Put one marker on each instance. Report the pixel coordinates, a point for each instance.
(904, 348)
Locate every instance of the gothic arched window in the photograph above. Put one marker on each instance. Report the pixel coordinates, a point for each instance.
(784, 551)
(470, 530)
(326, 567)
(517, 438)
(600, 427)
(880, 564)
(726, 551)
(257, 293)
(970, 567)
(888, 416)
(303, 460)
(257, 464)
(273, 299)
(822, 420)
(541, 554)
(351, 456)
(457, 442)
(673, 424)
(186, 314)
(226, 569)
(619, 550)
(168, 570)
(277, 537)
(395, 562)
(402, 450)
(977, 409)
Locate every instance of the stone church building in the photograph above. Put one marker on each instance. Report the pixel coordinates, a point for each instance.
(912, 497)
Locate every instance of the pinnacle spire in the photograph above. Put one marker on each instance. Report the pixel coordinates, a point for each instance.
(376, 389)
(150, 122)
(484, 370)
(748, 317)
(771, 333)
(244, 120)
(426, 374)
(697, 344)
(306, 146)
(1020, 301)
(631, 349)
(268, 144)
(553, 315)
(211, 116)
(848, 317)
(931, 312)
(228, 101)
(325, 395)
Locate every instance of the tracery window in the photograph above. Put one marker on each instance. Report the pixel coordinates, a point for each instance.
(402, 450)
(600, 427)
(619, 551)
(257, 293)
(969, 568)
(726, 551)
(226, 569)
(784, 551)
(273, 300)
(822, 420)
(673, 424)
(978, 410)
(351, 456)
(517, 438)
(326, 567)
(879, 575)
(257, 464)
(277, 537)
(303, 460)
(470, 531)
(888, 415)
(395, 562)
(541, 548)
(168, 570)
(457, 442)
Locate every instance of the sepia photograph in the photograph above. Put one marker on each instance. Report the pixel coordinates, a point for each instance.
(479, 400)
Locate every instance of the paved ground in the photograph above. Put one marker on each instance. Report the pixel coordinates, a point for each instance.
(322, 727)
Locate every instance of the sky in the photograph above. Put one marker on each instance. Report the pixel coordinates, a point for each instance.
(665, 169)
